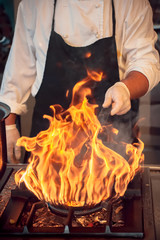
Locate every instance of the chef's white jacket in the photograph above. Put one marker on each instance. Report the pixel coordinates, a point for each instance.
(80, 23)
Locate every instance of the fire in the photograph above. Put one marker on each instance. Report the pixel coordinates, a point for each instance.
(69, 163)
(88, 55)
(1, 163)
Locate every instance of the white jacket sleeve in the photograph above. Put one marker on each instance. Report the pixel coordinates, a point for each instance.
(139, 43)
(20, 70)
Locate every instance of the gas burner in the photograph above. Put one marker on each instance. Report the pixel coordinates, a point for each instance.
(128, 217)
(77, 211)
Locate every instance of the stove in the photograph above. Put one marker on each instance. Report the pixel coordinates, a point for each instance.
(134, 216)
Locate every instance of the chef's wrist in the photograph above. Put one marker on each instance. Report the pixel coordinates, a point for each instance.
(137, 84)
(11, 119)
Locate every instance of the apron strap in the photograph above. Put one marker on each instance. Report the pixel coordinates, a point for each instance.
(113, 16)
(54, 9)
(113, 19)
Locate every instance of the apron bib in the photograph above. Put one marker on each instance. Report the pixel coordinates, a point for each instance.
(67, 65)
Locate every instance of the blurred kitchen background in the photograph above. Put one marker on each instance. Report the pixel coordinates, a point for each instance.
(149, 105)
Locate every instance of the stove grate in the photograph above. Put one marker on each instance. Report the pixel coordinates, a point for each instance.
(130, 217)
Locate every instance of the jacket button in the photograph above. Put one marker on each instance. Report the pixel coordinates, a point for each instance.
(97, 35)
(97, 6)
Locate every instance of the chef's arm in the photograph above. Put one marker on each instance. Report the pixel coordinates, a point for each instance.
(11, 119)
(137, 84)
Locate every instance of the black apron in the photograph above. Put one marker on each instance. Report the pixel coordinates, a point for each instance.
(66, 65)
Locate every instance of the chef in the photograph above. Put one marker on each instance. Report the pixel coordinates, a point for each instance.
(48, 57)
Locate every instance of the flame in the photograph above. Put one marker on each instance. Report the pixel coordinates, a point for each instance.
(67, 93)
(88, 55)
(1, 163)
(69, 163)
(1, 160)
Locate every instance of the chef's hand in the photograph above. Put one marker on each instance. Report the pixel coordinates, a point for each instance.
(119, 97)
(13, 151)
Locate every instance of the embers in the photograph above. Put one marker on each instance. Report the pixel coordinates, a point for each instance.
(104, 213)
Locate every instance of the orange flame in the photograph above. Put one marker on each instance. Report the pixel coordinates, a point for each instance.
(69, 163)
(88, 55)
(1, 163)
